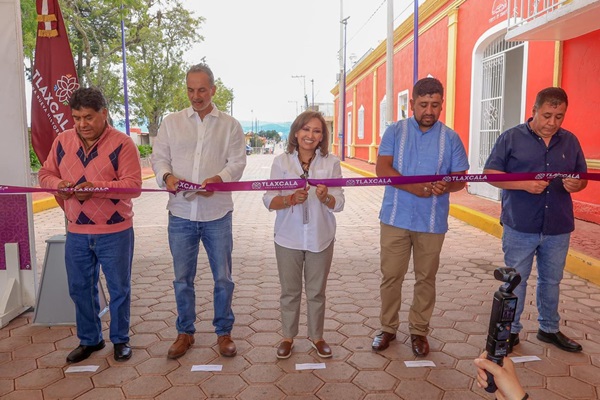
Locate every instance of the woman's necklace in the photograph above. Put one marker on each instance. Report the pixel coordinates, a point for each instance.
(306, 165)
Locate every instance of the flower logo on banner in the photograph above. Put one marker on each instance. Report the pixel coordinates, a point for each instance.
(540, 176)
(64, 87)
(447, 179)
(351, 182)
(256, 185)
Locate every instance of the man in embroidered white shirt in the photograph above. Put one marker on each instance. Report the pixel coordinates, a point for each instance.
(200, 144)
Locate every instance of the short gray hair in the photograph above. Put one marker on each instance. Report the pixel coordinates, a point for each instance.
(202, 68)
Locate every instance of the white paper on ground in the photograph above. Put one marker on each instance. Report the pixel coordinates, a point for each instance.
(420, 363)
(523, 359)
(212, 368)
(310, 366)
(82, 368)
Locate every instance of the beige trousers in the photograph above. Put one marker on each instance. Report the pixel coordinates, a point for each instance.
(396, 247)
(291, 264)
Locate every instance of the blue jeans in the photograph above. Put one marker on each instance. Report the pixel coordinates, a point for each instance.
(184, 241)
(84, 254)
(551, 253)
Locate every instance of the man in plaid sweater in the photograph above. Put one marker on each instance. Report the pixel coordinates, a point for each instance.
(102, 166)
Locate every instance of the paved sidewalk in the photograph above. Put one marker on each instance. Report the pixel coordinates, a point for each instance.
(32, 358)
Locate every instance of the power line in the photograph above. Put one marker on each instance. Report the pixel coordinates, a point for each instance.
(367, 21)
(373, 15)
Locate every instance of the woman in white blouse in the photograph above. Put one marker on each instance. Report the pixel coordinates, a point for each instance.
(305, 228)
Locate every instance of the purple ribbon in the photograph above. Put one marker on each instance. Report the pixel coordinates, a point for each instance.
(284, 184)
(291, 184)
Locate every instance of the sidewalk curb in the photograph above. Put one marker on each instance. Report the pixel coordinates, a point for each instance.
(50, 202)
(577, 263)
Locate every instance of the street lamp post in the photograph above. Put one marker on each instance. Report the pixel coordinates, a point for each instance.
(343, 93)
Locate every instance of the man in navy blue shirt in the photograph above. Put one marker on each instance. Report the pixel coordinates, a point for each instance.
(537, 216)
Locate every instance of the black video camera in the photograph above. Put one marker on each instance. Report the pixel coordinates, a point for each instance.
(504, 308)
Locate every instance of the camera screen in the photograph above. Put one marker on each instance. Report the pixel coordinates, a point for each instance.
(508, 309)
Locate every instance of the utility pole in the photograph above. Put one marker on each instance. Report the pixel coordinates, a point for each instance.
(389, 63)
(312, 81)
(304, 86)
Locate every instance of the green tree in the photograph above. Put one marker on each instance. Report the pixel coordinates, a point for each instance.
(223, 98)
(157, 34)
(29, 28)
(157, 66)
(271, 135)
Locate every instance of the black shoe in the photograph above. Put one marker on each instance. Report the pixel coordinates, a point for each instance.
(559, 340)
(122, 351)
(82, 352)
(513, 341)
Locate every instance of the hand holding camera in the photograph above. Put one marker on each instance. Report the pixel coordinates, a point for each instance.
(504, 307)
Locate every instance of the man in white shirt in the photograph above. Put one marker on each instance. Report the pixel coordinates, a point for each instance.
(200, 144)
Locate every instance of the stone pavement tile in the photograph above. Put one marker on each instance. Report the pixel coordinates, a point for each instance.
(181, 392)
(24, 395)
(102, 394)
(335, 391)
(13, 343)
(223, 385)
(418, 390)
(442, 359)
(112, 377)
(381, 396)
(262, 392)
(368, 361)
(545, 394)
(299, 383)
(184, 376)
(461, 350)
(262, 374)
(38, 378)
(6, 386)
(336, 372)
(16, 368)
(449, 379)
(146, 386)
(34, 350)
(69, 388)
(157, 366)
(371, 381)
(571, 387)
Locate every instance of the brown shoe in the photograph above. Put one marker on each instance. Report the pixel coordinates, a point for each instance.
(285, 349)
(382, 341)
(420, 345)
(322, 348)
(226, 346)
(181, 346)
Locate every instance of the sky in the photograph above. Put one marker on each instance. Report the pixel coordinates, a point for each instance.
(256, 47)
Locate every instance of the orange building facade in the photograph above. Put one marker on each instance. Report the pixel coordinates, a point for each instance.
(492, 63)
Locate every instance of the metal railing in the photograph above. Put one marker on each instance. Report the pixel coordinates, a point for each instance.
(524, 11)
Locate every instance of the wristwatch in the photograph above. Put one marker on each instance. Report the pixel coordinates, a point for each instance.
(165, 176)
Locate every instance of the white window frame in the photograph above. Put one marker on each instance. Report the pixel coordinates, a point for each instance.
(361, 122)
(403, 101)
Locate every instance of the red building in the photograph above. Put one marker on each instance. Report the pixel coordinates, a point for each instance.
(492, 56)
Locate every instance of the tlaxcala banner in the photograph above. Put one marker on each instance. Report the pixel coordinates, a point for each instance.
(53, 79)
